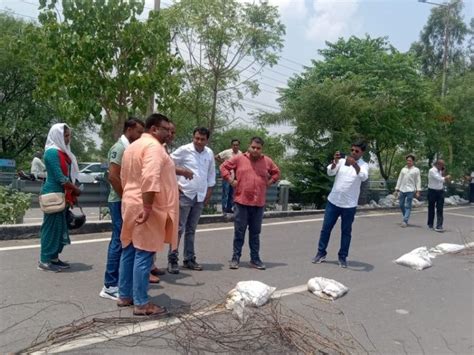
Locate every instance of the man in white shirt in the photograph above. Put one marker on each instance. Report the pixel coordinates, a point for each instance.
(193, 194)
(227, 190)
(436, 180)
(38, 169)
(408, 186)
(342, 201)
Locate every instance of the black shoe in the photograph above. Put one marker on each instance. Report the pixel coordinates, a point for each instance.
(61, 264)
(343, 263)
(318, 259)
(234, 264)
(439, 229)
(48, 267)
(192, 265)
(257, 264)
(173, 267)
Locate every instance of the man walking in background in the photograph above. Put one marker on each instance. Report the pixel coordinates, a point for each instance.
(227, 189)
(342, 201)
(436, 181)
(132, 130)
(254, 172)
(409, 186)
(193, 194)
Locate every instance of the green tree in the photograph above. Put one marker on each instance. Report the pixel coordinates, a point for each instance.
(96, 59)
(456, 126)
(362, 88)
(442, 39)
(447, 37)
(221, 41)
(24, 119)
(274, 146)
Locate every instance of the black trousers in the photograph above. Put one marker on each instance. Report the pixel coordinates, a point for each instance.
(435, 199)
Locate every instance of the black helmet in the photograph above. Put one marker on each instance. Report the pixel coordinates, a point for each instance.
(75, 221)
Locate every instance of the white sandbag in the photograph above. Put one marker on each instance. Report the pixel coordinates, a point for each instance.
(417, 259)
(248, 293)
(446, 248)
(450, 201)
(373, 204)
(326, 288)
(388, 201)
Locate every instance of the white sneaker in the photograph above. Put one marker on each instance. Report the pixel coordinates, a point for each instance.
(439, 230)
(404, 225)
(110, 293)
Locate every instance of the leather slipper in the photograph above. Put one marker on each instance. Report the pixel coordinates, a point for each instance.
(124, 302)
(150, 309)
(157, 272)
(153, 279)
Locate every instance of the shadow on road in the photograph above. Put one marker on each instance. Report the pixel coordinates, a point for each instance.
(355, 265)
(78, 267)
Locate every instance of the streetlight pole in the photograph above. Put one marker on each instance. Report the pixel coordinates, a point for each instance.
(445, 44)
(151, 99)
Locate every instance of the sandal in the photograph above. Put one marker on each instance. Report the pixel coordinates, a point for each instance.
(153, 279)
(157, 272)
(124, 302)
(150, 309)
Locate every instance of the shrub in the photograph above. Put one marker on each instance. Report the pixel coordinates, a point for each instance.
(13, 205)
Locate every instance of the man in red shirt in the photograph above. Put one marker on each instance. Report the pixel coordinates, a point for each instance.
(254, 172)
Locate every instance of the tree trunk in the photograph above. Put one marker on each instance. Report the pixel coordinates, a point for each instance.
(212, 119)
(118, 125)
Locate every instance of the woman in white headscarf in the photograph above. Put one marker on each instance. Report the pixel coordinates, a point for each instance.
(62, 171)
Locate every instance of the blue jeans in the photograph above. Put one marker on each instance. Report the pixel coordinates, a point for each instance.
(406, 200)
(135, 265)
(331, 214)
(252, 217)
(227, 197)
(189, 213)
(111, 277)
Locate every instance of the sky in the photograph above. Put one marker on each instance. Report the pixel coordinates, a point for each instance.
(309, 24)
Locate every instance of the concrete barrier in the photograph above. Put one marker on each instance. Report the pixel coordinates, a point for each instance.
(31, 230)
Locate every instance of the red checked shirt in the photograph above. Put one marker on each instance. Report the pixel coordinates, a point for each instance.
(252, 177)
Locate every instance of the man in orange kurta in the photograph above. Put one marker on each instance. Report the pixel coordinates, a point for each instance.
(149, 211)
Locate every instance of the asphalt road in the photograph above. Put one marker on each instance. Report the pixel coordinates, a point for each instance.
(389, 309)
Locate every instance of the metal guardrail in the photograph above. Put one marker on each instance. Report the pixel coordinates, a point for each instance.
(96, 194)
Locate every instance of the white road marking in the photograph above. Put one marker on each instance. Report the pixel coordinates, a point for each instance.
(146, 326)
(459, 214)
(99, 240)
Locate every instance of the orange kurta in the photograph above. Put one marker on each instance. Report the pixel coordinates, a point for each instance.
(147, 167)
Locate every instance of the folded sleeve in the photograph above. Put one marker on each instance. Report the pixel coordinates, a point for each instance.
(364, 172)
(211, 175)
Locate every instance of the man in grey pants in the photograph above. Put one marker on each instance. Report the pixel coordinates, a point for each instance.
(193, 195)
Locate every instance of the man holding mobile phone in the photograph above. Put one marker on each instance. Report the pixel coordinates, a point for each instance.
(350, 172)
(436, 179)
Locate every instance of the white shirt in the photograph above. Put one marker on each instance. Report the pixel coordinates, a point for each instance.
(409, 180)
(228, 153)
(202, 165)
(346, 189)
(37, 167)
(435, 179)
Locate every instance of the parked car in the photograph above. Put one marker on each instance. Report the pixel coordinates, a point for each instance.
(90, 171)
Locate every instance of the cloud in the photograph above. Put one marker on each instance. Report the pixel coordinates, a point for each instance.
(290, 8)
(333, 19)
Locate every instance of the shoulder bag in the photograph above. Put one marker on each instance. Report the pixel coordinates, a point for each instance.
(53, 202)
